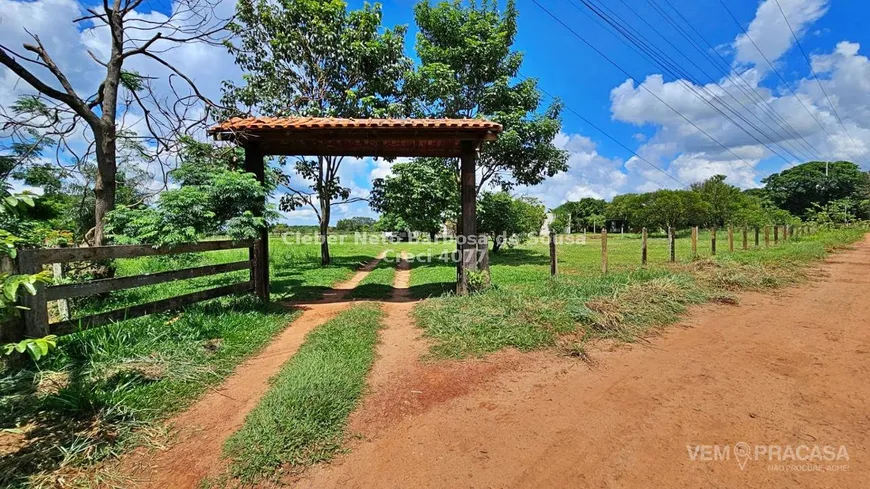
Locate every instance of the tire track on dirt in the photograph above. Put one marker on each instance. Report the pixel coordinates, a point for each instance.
(203, 428)
(785, 369)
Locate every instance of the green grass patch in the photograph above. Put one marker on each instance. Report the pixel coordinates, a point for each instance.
(527, 309)
(301, 420)
(378, 284)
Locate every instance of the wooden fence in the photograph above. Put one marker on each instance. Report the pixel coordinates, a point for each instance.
(35, 317)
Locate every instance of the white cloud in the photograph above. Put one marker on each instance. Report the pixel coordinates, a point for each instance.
(771, 33)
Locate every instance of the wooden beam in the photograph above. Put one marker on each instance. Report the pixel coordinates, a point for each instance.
(93, 253)
(149, 308)
(69, 291)
(467, 235)
(259, 252)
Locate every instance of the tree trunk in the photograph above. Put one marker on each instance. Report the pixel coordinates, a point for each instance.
(432, 236)
(105, 186)
(324, 235)
(497, 241)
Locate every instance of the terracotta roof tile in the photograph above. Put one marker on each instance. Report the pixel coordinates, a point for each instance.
(252, 123)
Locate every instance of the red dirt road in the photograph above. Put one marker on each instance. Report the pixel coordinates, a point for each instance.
(204, 427)
(785, 369)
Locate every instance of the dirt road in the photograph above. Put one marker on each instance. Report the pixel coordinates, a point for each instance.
(202, 429)
(783, 370)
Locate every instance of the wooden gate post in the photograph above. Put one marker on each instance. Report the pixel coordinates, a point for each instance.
(36, 314)
(745, 238)
(467, 235)
(694, 242)
(713, 240)
(672, 238)
(643, 247)
(604, 251)
(731, 238)
(259, 253)
(553, 266)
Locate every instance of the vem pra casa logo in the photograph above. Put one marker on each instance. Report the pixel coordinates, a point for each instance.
(775, 454)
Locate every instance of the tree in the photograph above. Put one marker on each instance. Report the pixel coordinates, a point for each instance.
(582, 211)
(355, 224)
(466, 70)
(722, 199)
(502, 217)
(213, 197)
(797, 189)
(315, 58)
(671, 208)
(57, 110)
(423, 193)
(623, 208)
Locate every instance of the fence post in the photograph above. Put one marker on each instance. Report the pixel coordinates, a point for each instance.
(36, 314)
(643, 247)
(775, 234)
(757, 232)
(713, 240)
(604, 251)
(745, 238)
(731, 238)
(553, 269)
(766, 236)
(672, 238)
(786, 231)
(62, 304)
(694, 242)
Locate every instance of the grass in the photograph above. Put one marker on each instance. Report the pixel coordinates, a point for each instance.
(105, 389)
(528, 309)
(301, 419)
(379, 282)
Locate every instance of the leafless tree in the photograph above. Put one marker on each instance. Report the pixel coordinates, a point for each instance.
(58, 113)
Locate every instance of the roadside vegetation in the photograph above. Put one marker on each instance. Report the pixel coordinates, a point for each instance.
(529, 310)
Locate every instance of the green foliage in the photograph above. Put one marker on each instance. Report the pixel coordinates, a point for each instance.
(502, 217)
(797, 189)
(467, 70)
(671, 208)
(36, 348)
(213, 198)
(355, 224)
(722, 199)
(423, 193)
(315, 58)
(582, 211)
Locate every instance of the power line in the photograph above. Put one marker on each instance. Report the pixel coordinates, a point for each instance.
(605, 133)
(734, 77)
(626, 73)
(813, 72)
(669, 65)
(772, 67)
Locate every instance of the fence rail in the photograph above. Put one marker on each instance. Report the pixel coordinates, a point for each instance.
(35, 316)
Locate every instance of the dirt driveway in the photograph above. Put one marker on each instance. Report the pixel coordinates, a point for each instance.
(778, 372)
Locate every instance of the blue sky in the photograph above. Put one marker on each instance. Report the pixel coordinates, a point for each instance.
(832, 32)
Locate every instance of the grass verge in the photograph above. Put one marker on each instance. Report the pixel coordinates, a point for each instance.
(104, 388)
(301, 419)
(527, 314)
